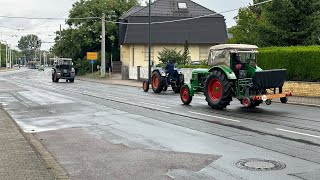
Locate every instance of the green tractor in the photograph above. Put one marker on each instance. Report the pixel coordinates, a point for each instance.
(235, 74)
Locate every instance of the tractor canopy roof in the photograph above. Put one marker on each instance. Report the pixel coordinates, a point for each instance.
(235, 47)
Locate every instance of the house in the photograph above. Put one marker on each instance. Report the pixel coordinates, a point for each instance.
(201, 33)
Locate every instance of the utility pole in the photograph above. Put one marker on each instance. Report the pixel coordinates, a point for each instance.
(0, 55)
(6, 55)
(60, 40)
(103, 47)
(40, 55)
(149, 62)
(10, 57)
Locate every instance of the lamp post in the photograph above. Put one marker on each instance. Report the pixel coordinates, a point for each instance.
(149, 43)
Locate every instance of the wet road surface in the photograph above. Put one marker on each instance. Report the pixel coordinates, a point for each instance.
(79, 123)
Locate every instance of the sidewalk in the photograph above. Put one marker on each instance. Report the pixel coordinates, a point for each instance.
(299, 100)
(18, 158)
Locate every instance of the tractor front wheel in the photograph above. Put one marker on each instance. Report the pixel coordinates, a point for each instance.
(218, 90)
(179, 84)
(157, 82)
(185, 96)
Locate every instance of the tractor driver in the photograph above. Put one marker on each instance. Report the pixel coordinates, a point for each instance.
(170, 69)
(236, 63)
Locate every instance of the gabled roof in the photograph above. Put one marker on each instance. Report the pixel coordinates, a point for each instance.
(131, 11)
(170, 8)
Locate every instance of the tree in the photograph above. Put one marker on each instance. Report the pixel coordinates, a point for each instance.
(278, 23)
(245, 32)
(170, 54)
(83, 35)
(28, 44)
(186, 53)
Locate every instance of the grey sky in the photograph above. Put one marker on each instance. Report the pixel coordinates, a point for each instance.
(53, 8)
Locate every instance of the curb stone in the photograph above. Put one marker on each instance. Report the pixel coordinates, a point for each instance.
(44, 155)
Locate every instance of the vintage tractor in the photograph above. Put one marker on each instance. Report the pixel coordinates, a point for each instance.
(160, 80)
(63, 69)
(235, 74)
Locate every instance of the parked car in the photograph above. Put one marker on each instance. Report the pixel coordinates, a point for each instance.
(195, 62)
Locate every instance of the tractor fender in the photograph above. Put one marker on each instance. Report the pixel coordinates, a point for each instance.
(228, 72)
(161, 71)
(190, 88)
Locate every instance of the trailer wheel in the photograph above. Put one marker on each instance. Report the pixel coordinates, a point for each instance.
(218, 90)
(185, 96)
(284, 100)
(157, 82)
(145, 86)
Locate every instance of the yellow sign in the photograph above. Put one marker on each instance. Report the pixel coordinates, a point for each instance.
(92, 55)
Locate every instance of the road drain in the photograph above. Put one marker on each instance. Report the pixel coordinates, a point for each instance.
(255, 164)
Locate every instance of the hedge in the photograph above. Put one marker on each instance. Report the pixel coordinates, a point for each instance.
(302, 62)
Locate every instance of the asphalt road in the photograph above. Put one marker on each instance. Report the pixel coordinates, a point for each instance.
(101, 131)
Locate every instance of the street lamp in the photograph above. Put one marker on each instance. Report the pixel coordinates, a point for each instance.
(149, 42)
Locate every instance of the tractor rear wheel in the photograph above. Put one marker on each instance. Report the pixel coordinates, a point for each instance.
(157, 82)
(145, 86)
(185, 96)
(218, 90)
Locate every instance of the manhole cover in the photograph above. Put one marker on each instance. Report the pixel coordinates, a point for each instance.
(254, 164)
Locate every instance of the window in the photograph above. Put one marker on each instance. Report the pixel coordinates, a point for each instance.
(218, 58)
(203, 53)
(146, 53)
(182, 5)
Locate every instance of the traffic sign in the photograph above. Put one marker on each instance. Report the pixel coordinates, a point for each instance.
(92, 55)
(91, 61)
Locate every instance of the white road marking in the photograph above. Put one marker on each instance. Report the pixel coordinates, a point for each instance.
(218, 117)
(154, 105)
(294, 132)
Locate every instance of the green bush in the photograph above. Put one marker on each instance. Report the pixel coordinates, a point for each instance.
(302, 62)
(194, 66)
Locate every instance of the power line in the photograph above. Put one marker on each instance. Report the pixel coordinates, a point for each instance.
(46, 18)
(192, 18)
(9, 28)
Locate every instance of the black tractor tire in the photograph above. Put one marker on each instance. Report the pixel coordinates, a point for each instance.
(218, 90)
(165, 88)
(185, 96)
(158, 82)
(145, 86)
(54, 78)
(71, 80)
(179, 84)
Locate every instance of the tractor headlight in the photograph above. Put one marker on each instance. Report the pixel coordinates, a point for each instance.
(163, 74)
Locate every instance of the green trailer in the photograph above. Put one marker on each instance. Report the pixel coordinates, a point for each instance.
(235, 74)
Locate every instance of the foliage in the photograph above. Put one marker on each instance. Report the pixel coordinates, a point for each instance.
(170, 54)
(3, 55)
(194, 66)
(278, 23)
(186, 53)
(302, 62)
(28, 44)
(83, 36)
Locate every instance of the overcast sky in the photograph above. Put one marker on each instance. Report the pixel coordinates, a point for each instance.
(59, 8)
